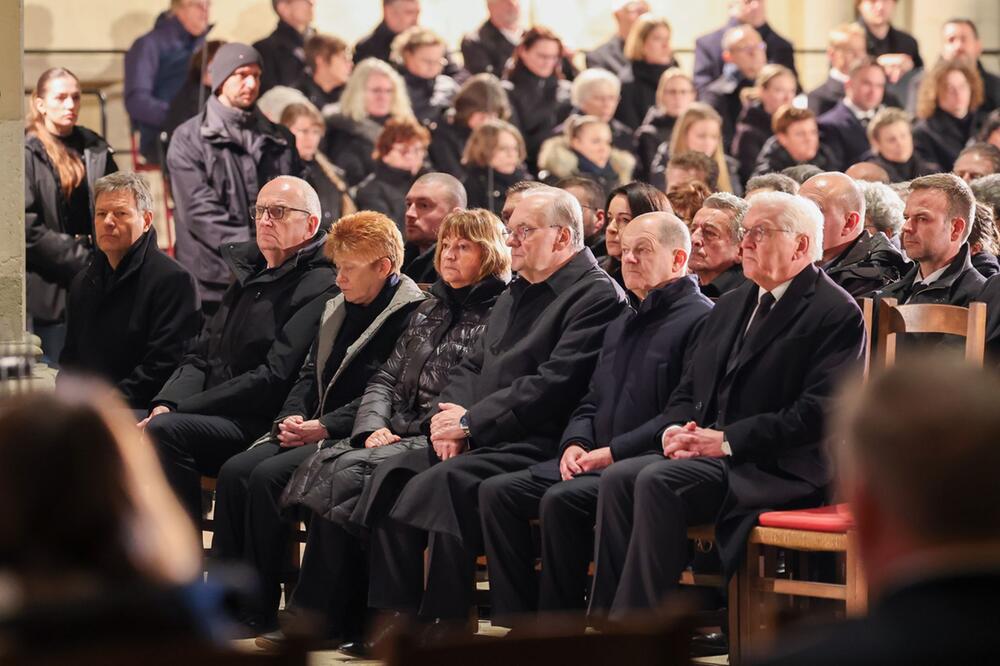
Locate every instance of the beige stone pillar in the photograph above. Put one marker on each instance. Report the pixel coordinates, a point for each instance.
(12, 322)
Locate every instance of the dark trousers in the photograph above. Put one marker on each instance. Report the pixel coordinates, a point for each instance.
(250, 525)
(644, 508)
(566, 510)
(191, 446)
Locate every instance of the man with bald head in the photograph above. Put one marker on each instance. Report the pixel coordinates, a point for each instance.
(232, 385)
(503, 411)
(856, 260)
(430, 199)
(640, 364)
(869, 172)
(743, 430)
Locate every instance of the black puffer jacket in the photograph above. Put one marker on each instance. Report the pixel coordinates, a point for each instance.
(384, 191)
(402, 393)
(349, 145)
(55, 250)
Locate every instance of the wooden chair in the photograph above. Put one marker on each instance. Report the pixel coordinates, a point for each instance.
(831, 528)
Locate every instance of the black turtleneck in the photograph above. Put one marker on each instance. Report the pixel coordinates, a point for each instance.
(356, 320)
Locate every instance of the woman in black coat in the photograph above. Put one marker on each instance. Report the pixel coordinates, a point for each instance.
(650, 55)
(399, 154)
(474, 263)
(481, 98)
(493, 161)
(674, 94)
(539, 96)
(947, 104)
(62, 161)
(357, 331)
(775, 86)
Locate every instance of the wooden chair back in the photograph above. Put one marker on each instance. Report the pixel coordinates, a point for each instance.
(867, 306)
(893, 320)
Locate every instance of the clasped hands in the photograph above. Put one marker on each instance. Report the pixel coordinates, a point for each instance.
(296, 431)
(690, 441)
(577, 460)
(447, 436)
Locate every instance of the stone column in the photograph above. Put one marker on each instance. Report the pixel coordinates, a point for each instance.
(12, 322)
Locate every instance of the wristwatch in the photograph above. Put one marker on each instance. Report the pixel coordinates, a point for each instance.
(463, 423)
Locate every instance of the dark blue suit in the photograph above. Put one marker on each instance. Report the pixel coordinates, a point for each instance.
(843, 135)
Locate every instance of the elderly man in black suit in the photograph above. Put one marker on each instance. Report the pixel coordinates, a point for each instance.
(490, 47)
(611, 54)
(503, 411)
(845, 48)
(709, 63)
(640, 365)
(927, 521)
(843, 129)
(856, 260)
(743, 431)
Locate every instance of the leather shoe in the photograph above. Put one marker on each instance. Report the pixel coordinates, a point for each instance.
(359, 649)
(709, 645)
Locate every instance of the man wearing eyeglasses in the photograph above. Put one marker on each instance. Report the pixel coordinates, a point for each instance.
(745, 53)
(232, 385)
(503, 411)
(743, 431)
(218, 162)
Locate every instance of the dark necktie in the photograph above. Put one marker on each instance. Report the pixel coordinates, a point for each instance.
(763, 307)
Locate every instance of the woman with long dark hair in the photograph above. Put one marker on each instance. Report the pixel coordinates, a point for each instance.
(625, 203)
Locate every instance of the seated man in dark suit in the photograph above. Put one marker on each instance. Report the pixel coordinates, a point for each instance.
(745, 52)
(282, 53)
(133, 313)
(845, 48)
(743, 431)
(231, 386)
(503, 411)
(490, 47)
(430, 199)
(939, 213)
(709, 63)
(715, 244)
(640, 365)
(611, 54)
(927, 520)
(842, 129)
(856, 260)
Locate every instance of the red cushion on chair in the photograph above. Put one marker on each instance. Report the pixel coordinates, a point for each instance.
(836, 518)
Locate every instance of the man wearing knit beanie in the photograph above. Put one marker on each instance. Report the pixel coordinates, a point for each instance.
(218, 161)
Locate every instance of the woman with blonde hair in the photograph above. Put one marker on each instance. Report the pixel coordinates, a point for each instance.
(62, 162)
(419, 53)
(674, 94)
(699, 128)
(774, 87)
(473, 261)
(649, 53)
(585, 150)
(948, 103)
(374, 93)
(493, 161)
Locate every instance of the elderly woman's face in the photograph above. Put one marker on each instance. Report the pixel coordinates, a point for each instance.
(600, 101)
(379, 93)
(461, 261)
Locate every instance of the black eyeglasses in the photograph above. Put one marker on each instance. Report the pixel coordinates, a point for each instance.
(276, 213)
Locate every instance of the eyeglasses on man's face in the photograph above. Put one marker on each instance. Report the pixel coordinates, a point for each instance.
(758, 233)
(522, 232)
(275, 213)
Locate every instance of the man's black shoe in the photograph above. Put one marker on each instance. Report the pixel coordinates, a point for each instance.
(709, 645)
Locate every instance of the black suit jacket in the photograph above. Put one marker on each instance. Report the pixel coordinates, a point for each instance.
(843, 135)
(283, 57)
(610, 55)
(826, 96)
(486, 50)
(947, 619)
(771, 401)
(708, 63)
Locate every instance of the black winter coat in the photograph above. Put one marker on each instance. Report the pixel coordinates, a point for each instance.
(826, 96)
(55, 249)
(774, 158)
(900, 172)
(843, 135)
(332, 193)
(942, 137)
(419, 266)
(986, 263)
(430, 98)
(478, 182)
(537, 106)
(958, 285)
(283, 57)
(723, 95)
(315, 94)
(731, 278)
(869, 264)
(384, 191)
(448, 141)
(641, 362)
(335, 401)
(349, 145)
(654, 131)
(249, 354)
(131, 325)
(753, 129)
(638, 96)
(215, 183)
(486, 50)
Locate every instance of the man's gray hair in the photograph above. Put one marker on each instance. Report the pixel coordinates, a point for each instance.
(453, 188)
(797, 214)
(961, 201)
(589, 81)
(564, 211)
(733, 206)
(883, 208)
(126, 181)
(987, 190)
(776, 182)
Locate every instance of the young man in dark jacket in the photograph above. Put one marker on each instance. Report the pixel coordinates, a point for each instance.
(218, 162)
(282, 53)
(230, 388)
(133, 313)
(641, 361)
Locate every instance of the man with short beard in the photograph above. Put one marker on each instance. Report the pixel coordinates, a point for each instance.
(715, 244)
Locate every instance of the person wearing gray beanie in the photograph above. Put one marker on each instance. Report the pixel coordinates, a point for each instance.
(228, 59)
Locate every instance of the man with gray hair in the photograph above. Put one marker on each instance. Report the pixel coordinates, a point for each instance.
(232, 385)
(939, 214)
(743, 431)
(640, 365)
(431, 197)
(771, 182)
(883, 211)
(856, 260)
(715, 244)
(596, 92)
(133, 312)
(503, 411)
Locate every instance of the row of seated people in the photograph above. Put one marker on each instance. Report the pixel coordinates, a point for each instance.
(398, 420)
